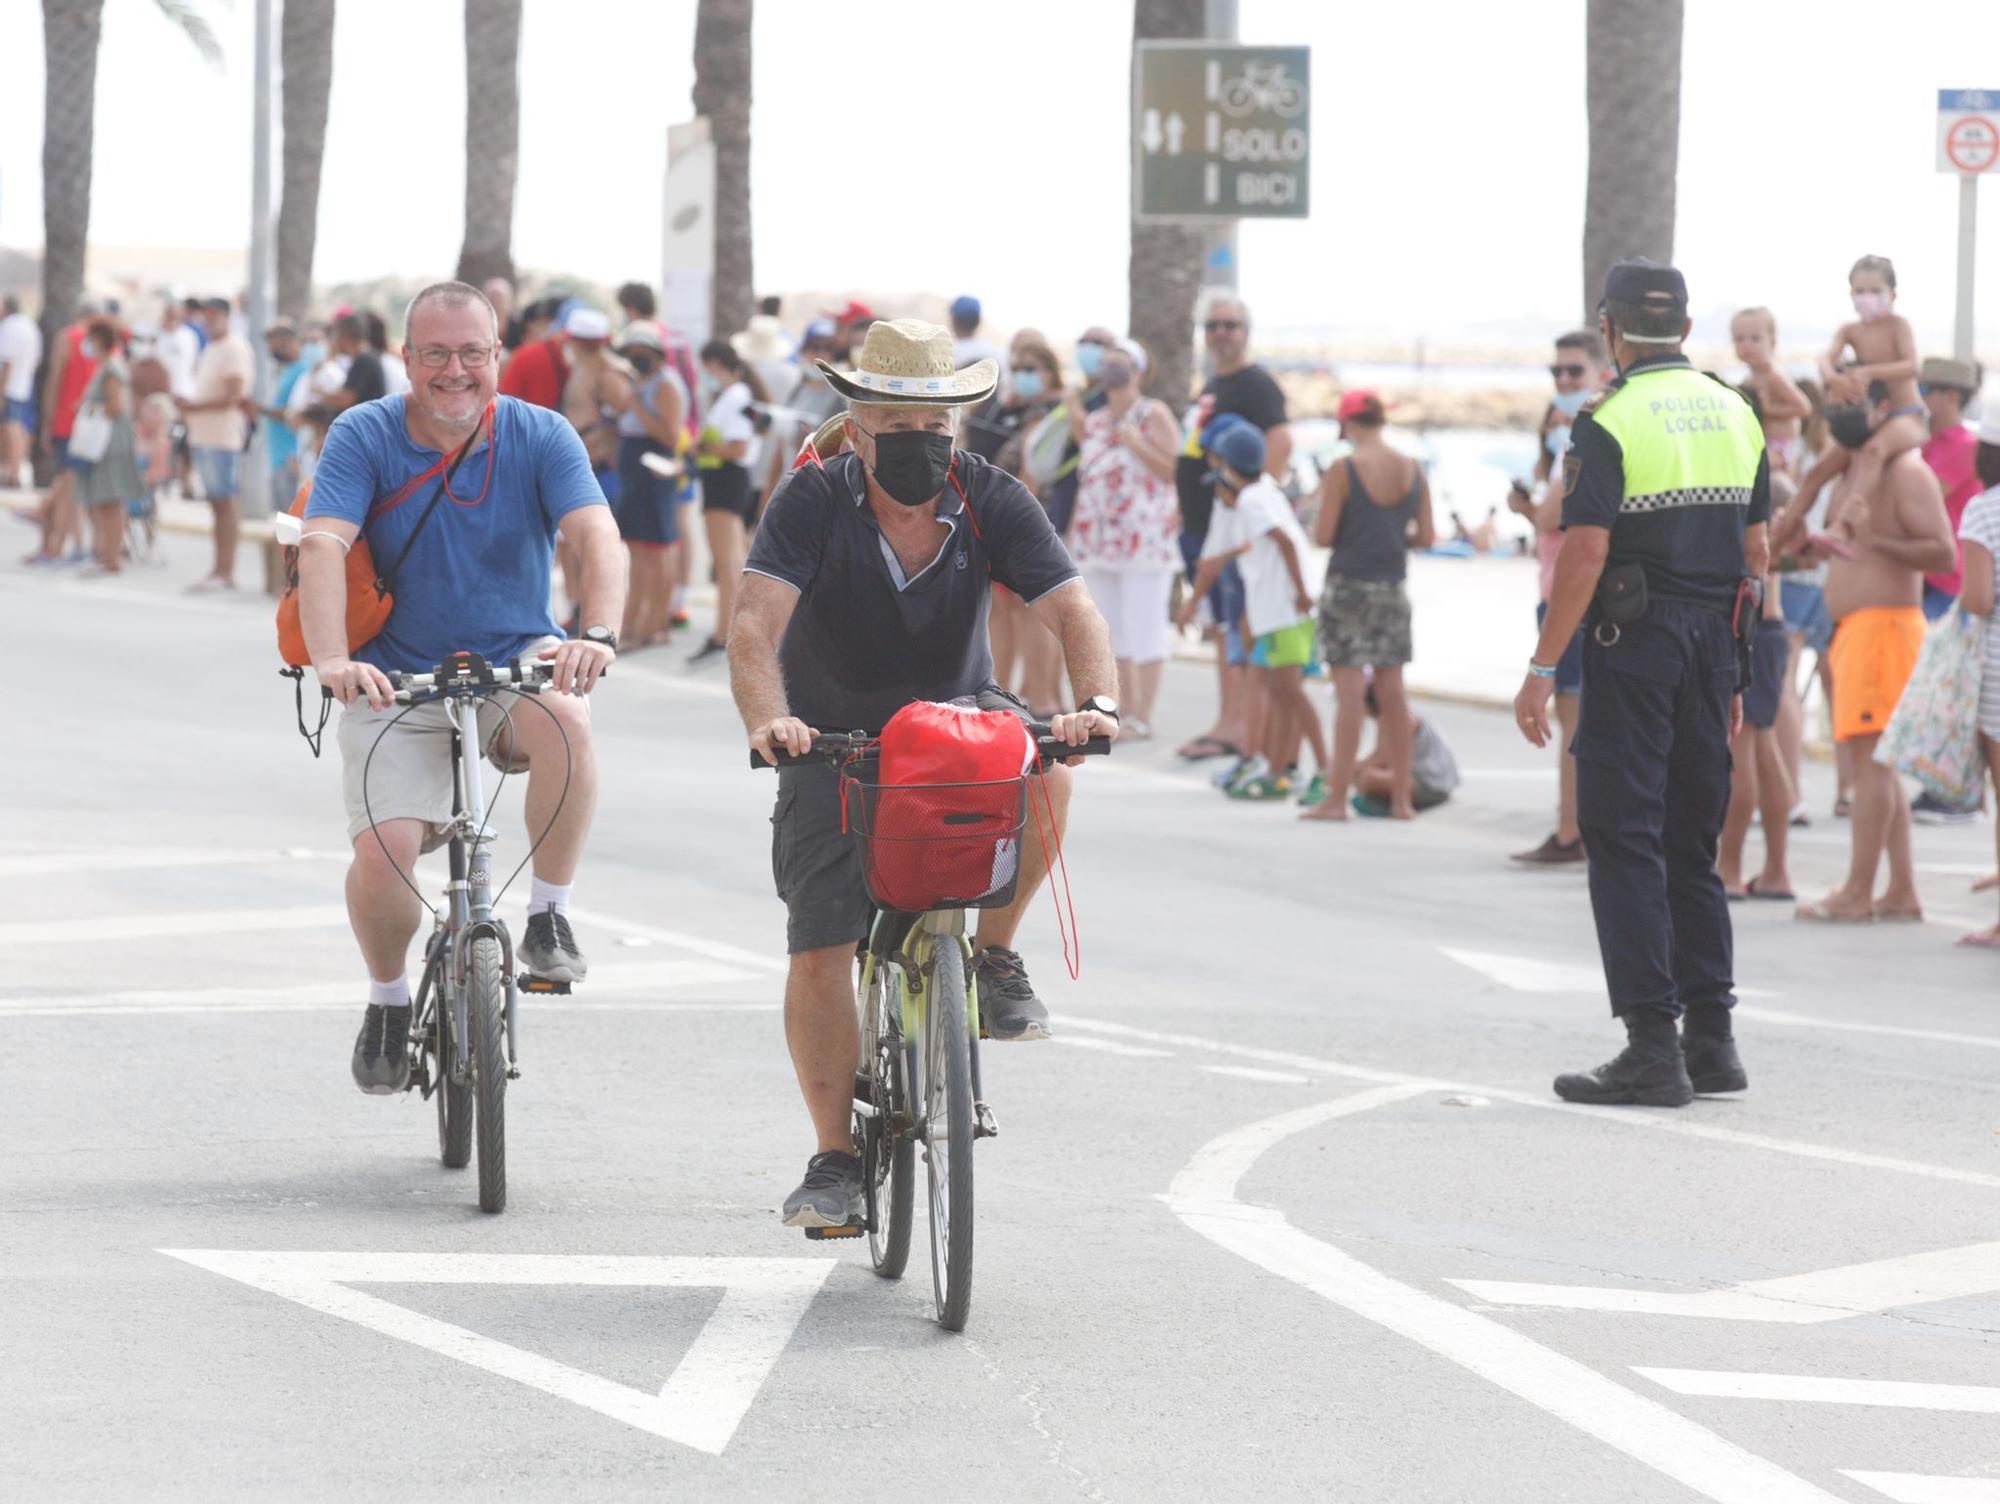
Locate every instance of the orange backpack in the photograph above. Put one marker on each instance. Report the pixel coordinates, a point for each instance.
(370, 594)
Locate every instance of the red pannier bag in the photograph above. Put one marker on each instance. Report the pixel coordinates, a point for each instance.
(941, 827)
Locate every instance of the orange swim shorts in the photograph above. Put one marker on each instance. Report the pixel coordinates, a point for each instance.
(1873, 655)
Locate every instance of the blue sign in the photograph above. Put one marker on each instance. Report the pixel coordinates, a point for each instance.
(1967, 101)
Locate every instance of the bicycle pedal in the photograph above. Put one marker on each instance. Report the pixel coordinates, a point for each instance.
(547, 986)
(984, 1124)
(852, 1230)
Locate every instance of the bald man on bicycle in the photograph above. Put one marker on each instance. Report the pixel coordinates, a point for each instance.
(866, 589)
(469, 490)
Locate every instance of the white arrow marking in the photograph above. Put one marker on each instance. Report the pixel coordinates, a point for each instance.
(706, 1396)
(1894, 1394)
(1923, 1488)
(1795, 1299)
(1203, 1196)
(1176, 130)
(1149, 134)
(1257, 1073)
(1527, 974)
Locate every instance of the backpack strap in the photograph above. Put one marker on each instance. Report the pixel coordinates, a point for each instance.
(388, 581)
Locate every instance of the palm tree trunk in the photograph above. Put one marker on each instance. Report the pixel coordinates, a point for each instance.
(722, 93)
(1165, 269)
(305, 54)
(1633, 98)
(492, 137)
(70, 32)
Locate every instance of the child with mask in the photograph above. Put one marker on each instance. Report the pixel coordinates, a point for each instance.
(1255, 525)
(1885, 350)
(1782, 407)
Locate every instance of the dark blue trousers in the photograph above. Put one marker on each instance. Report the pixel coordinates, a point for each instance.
(1652, 771)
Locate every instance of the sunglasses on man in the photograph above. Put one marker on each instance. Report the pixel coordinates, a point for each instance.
(1575, 373)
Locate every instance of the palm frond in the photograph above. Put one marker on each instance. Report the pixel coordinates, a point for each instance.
(194, 25)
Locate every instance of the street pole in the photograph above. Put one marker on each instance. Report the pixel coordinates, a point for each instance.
(1968, 239)
(257, 470)
(1218, 241)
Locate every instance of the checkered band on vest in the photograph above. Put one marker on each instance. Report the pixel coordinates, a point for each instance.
(1689, 496)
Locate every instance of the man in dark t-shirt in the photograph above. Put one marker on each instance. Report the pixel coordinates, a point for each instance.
(1247, 390)
(365, 380)
(867, 589)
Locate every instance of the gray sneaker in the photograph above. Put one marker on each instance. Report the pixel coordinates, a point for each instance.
(381, 1061)
(548, 949)
(1008, 1007)
(830, 1195)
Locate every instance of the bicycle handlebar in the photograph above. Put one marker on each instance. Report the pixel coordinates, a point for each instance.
(470, 673)
(836, 748)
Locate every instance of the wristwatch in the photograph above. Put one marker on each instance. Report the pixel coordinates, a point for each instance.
(1102, 704)
(604, 637)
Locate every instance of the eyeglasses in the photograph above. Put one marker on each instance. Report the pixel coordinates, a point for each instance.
(1214, 324)
(1575, 373)
(437, 357)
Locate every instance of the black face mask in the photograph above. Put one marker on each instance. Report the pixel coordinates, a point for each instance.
(912, 464)
(1849, 425)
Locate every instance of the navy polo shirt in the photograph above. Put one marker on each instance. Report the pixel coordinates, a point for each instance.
(864, 640)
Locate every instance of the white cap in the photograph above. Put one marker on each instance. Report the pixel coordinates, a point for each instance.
(587, 324)
(1136, 352)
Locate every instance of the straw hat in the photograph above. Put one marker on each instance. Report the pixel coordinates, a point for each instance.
(908, 363)
(762, 340)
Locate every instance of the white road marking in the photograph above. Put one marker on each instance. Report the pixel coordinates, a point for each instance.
(1112, 1047)
(1924, 1488)
(1793, 1299)
(142, 858)
(134, 926)
(1649, 1121)
(1203, 1195)
(1842, 1026)
(1800, 1388)
(1258, 1073)
(1531, 974)
(700, 945)
(704, 1399)
(314, 997)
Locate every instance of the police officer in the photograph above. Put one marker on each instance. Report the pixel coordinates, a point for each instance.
(1666, 505)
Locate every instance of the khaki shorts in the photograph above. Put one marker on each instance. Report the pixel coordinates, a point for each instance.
(409, 776)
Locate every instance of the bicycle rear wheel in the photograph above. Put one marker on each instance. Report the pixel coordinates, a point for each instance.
(947, 1130)
(486, 1010)
(888, 1151)
(454, 1098)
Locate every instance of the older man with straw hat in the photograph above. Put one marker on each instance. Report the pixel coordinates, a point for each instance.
(867, 589)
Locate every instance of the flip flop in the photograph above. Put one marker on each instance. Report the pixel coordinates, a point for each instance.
(1899, 916)
(1977, 941)
(1204, 747)
(1751, 890)
(1818, 913)
(1736, 897)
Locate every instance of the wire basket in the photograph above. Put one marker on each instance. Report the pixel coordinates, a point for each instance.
(938, 845)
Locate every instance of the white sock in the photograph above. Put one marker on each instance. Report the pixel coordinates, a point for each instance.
(391, 994)
(543, 895)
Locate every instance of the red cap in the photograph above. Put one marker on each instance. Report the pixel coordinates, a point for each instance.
(856, 312)
(1360, 403)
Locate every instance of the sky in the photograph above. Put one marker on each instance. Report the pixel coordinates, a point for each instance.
(920, 146)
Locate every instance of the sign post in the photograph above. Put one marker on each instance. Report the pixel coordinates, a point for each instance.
(1221, 132)
(1969, 146)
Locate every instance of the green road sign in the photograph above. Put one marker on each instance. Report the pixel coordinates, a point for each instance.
(1221, 131)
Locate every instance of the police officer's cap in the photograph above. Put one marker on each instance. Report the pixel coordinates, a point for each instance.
(1646, 283)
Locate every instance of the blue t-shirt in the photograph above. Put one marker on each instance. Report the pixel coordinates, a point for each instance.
(281, 444)
(478, 579)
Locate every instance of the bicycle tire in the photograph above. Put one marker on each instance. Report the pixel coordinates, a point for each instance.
(948, 1109)
(486, 1009)
(888, 1150)
(454, 1099)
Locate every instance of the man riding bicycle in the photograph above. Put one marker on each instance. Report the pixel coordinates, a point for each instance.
(476, 578)
(866, 589)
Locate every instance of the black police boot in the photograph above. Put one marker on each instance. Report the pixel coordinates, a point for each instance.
(1710, 1052)
(1647, 1073)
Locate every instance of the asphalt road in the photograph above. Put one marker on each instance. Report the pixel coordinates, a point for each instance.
(1285, 1211)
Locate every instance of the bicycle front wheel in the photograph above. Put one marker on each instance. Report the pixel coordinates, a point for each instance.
(486, 1011)
(454, 1097)
(947, 1131)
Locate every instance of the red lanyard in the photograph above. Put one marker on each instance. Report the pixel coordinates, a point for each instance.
(402, 493)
